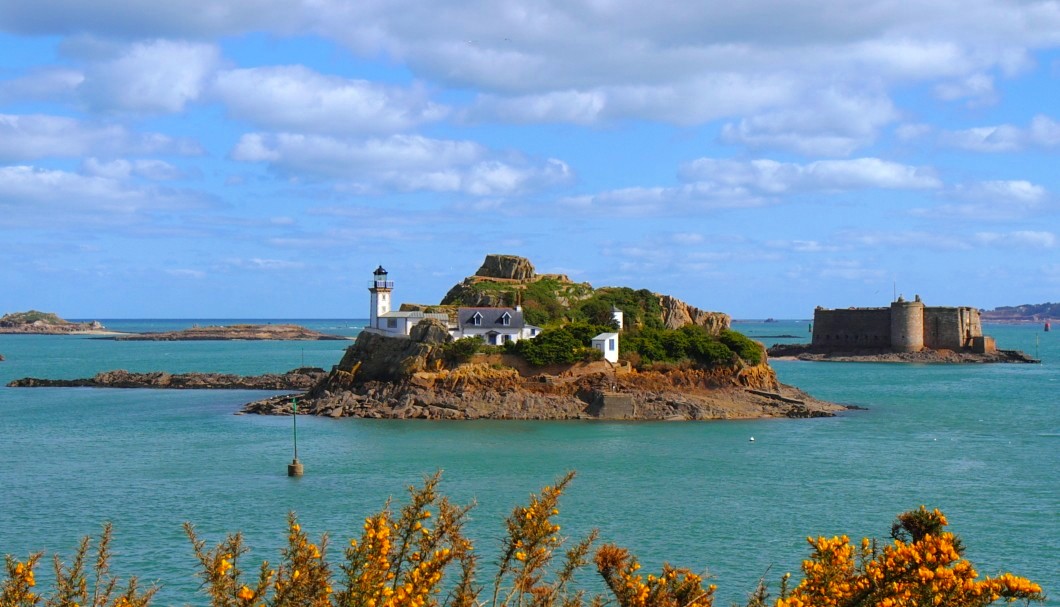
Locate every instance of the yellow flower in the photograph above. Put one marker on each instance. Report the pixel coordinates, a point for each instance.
(245, 593)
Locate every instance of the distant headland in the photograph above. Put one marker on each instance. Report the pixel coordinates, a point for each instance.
(1026, 313)
(905, 331)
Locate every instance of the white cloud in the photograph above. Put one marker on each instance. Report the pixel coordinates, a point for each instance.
(159, 76)
(263, 265)
(32, 136)
(977, 88)
(28, 194)
(850, 269)
(772, 177)
(998, 200)
(664, 200)
(1018, 239)
(1042, 132)
(825, 123)
(801, 246)
(907, 240)
(186, 273)
(294, 98)
(133, 19)
(155, 170)
(402, 162)
(49, 84)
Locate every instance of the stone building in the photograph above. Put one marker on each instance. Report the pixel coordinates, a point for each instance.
(904, 326)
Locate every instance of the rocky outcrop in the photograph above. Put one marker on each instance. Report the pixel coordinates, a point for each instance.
(298, 379)
(511, 267)
(677, 314)
(45, 323)
(233, 332)
(375, 357)
(386, 377)
(808, 353)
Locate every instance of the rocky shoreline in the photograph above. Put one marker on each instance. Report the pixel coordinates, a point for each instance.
(586, 398)
(297, 379)
(808, 353)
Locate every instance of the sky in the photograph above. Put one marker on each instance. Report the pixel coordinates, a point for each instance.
(260, 158)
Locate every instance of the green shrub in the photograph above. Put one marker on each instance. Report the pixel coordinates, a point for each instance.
(461, 350)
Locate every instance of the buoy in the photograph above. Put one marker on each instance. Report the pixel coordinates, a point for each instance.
(295, 468)
(752, 439)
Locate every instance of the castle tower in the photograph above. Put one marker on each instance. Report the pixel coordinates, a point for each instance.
(380, 289)
(617, 316)
(907, 325)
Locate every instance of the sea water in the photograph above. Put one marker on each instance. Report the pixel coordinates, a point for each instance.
(979, 442)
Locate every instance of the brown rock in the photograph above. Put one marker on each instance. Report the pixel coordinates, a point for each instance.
(506, 266)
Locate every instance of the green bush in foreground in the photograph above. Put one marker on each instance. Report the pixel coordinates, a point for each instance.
(401, 558)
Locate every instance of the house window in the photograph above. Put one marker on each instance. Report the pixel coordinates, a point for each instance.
(506, 319)
(476, 319)
(507, 338)
(391, 323)
(611, 344)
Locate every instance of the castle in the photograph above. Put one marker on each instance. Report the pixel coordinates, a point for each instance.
(905, 326)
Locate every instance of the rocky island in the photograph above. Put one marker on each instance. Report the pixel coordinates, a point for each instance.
(481, 353)
(45, 323)
(297, 379)
(283, 332)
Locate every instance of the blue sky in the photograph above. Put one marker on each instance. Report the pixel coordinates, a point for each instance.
(259, 158)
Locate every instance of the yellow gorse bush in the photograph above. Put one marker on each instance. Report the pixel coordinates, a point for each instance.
(922, 567)
(401, 560)
(73, 585)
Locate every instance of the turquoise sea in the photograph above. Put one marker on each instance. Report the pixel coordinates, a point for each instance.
(982, 443)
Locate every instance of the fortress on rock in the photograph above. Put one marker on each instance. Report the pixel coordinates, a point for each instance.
(905, 326)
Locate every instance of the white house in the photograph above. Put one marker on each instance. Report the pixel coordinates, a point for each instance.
(608, 344)
(382, 319)
(495, 326)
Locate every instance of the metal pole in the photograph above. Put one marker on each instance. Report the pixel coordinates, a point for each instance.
(295, 468)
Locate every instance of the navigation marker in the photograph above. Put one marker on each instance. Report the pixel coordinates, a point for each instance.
(295, 468)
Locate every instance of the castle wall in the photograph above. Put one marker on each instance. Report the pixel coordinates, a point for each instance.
(951, 328)
(852, 328)
(907, 325)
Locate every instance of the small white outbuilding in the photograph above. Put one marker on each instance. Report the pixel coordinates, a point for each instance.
(608, 344)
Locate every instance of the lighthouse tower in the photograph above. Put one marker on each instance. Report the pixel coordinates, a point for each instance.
(380, 289)
(617, 316)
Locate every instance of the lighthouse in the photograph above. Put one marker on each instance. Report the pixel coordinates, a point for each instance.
(380, 289)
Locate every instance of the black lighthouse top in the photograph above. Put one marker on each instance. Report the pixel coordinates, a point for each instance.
(379, 280)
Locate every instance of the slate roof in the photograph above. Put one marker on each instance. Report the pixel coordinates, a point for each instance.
(492, 318)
